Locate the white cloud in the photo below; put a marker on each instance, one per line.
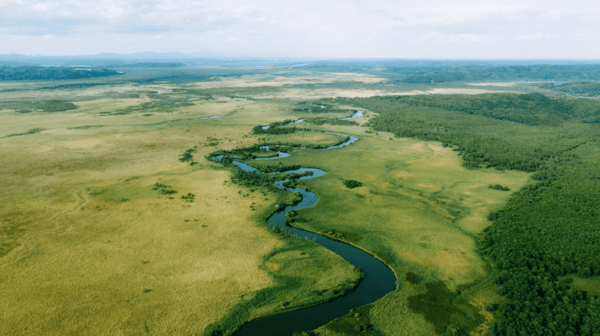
(535, 36)
(351, 28)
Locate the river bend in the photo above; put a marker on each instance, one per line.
(378, 278)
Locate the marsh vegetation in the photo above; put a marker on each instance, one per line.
(114, 220)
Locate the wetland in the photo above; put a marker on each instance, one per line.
(296, 200)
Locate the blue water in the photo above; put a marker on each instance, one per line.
(378, 278)
(213, 117)
(355, 115)
(345, 143)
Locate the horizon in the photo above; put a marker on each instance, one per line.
(152, 55)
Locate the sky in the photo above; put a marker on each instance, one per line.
(462, 29)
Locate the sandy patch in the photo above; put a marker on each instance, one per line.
(499, 84)
(299, 78)
(301, 94)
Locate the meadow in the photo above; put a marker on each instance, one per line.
(113, 221)
(418, 210)
(90, 245)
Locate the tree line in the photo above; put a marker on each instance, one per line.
(548, 232)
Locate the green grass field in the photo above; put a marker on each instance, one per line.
(418, 210)
(89, 245)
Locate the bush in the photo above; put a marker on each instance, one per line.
(498, 187)
(352, 184)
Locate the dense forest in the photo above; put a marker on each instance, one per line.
(549, 230)
(575, 88)
(13, 73)
(508, 73)
(444, 71)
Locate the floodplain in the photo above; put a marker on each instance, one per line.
(90, 245)
(109, 227)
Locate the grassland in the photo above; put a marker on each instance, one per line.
(90, 246)
(418, 210)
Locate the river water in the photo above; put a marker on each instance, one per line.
(378, 278)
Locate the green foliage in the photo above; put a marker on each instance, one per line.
(274, 130)
(245, 153)
(210, 141)
(357, 322)
(278, 168)
(317, 106)
(436, 306)
(187, 155)
(498, 187)
(413, 278)
(330, 121)
(575, 88)
(189, 197)
(27, 106)
(29, 132)
(164, 189)
(12, 73)
(529, 109)
(503, 73)
(86, 127)
(483, 138)
(547, 229)
(352, 184)
(304, 333)
(279, 293)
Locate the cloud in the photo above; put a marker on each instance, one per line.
(357, 28)
(535, 36)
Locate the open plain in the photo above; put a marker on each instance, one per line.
(107, 226)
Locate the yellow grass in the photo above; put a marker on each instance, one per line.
(299, 77)
(301, 94)
(89, 248)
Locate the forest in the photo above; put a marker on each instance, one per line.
(13, 73)
(547, 230)
(506, 73)
(575, 88)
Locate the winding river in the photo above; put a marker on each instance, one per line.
(378, 278)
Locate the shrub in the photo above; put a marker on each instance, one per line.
(352, 184)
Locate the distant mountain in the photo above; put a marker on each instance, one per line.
(115, 60)
(148, 59)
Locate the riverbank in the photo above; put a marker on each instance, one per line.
(412, 211)
(380, 279)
